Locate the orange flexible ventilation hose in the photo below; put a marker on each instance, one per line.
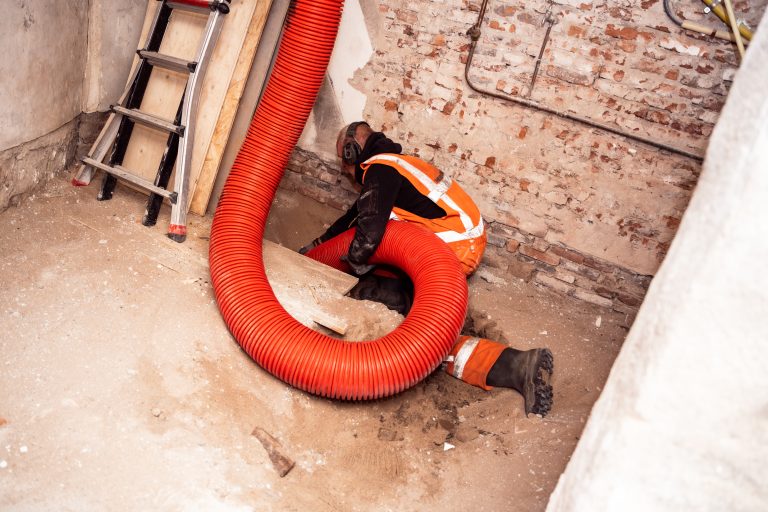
(306, 359)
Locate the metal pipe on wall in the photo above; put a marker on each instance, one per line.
(474, 33)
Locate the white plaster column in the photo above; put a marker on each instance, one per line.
(683, 421)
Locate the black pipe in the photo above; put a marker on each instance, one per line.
(550, 22)
(671, 14)
(474, 33)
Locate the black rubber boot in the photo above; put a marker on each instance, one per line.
(396, 294)
(529, 373)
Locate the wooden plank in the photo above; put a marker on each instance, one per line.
(268, 44)
(329, 321)
(204, 186)
(284, 264)
(310, 291)
(166, 87)
(315, 295)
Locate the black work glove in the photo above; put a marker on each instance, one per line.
(311, 245)
(358, 268)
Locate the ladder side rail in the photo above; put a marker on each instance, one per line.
(164, 171)
(157, 29)
(177, 229)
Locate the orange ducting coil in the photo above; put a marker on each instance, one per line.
(308, 360)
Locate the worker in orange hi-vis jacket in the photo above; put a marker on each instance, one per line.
(405, 188)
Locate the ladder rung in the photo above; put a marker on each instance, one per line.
(148, 119)
(122, 172)
(201, 7)
(168, 62)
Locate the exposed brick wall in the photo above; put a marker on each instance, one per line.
(26, 167)
(572, 208)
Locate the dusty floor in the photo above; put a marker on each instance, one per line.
(121, 388)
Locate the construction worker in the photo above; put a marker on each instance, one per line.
(401, 187)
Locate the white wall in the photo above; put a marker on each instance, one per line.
(114, 28)
(56, 64)
(42, 67)
(683, 421)
(339, 101)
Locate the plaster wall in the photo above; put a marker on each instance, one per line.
(114, 28)
(61, 58)
(682, 423)
(44, 53)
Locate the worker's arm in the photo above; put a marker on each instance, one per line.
(382, 184)
(343, 223)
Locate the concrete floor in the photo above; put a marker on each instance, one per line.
(121, 388)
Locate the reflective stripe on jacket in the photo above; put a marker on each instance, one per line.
(461, 228)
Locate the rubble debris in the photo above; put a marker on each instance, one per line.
(282, 463)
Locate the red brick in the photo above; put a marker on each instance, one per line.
(629, 300)
(654, 116)
(620, 13)
(627, 46)
(605, 292)
(672, 222)
(691, 128)
(512, 245)
(521, 269)
(406, 16)
(647, 37)
(523, 131)
(567, 75)
(672, 74)
(626, 33)
(551, 282)
(567, 253)
(527, 17)
(390, 105)
(575, 31)
(592, 298)
(598, 265)
(546, 257)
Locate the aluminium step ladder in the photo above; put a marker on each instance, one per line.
(115, 135)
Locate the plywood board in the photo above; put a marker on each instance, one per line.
(310, 291)
(165, 88)
(268, 44)
(285, 264)
(206, 179)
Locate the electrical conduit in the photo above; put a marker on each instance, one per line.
(292, 352)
